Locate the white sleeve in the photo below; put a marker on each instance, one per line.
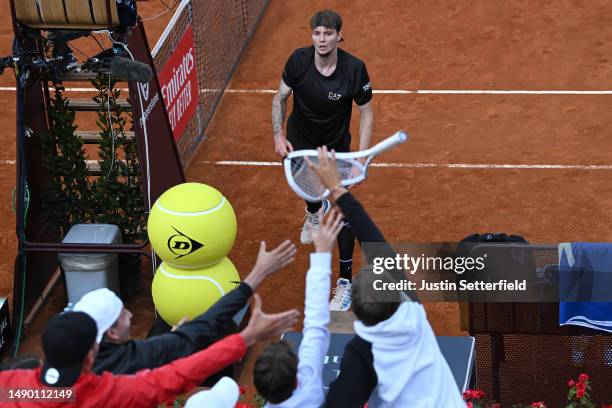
(315, 340)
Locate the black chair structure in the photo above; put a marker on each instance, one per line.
(522, 354)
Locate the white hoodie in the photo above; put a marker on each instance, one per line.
(411, 370)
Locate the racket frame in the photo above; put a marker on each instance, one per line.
(397, 138)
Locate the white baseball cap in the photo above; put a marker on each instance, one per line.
(224, 394)
(103, 306)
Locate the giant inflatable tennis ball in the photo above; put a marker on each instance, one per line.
(192, 226)
(178, 292)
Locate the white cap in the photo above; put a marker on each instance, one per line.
(103, 306)
(224, 394)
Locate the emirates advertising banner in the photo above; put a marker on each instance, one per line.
(179, 84)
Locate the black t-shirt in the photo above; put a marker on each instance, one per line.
(322, 105)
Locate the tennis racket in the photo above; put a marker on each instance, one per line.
(305, 181)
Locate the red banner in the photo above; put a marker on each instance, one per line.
(179, 84)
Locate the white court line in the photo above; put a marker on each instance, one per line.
(387, 91)
(438, 91)
(418, 165)
(432, 165)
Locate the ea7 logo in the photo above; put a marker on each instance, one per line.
(367, 87)
(144, 90)
(181, 245)
(334, 96)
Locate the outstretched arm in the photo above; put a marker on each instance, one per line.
(316, 310)
(209, 326)
(152, 387)
(279, 107)
(365, 229)
(204, 329)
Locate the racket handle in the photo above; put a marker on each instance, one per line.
(398, 137)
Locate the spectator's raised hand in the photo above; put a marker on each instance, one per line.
(262, 325)
(269, 262)
(324, 238)
(326, 168)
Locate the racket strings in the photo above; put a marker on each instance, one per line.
(308, 181)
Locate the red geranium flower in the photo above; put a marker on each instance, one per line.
(469, 404)
(571, 383)
(579, 394)
(580, 386)
(583, 377)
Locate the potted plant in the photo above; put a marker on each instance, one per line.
(67, 198)
(117, 190)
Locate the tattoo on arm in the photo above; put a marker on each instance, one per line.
(279, 106)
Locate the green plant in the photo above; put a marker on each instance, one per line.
(117, 193)
(67, 198)
(579, 394)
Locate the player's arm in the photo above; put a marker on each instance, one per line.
(279, 107)
(363, 99)
(366, 122)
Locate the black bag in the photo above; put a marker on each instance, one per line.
(464, 246)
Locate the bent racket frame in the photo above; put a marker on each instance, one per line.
(352, 170)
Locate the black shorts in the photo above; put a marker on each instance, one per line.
(299, 143)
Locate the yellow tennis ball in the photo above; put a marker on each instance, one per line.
(192, 225)
(178, 293)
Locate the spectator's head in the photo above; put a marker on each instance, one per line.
(370, 306)
(70, 347)
(326, 34)
(224, 394)
(112, 319)
(275, 372)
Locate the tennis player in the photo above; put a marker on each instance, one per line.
(325, 80)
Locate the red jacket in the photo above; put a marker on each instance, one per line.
(146, 388)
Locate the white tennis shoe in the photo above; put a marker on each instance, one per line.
(312, 222)
(341, 302)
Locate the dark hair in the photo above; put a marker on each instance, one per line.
(370, 306)
(275, 372)
(326, 18)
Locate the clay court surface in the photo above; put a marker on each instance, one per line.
(449, 180)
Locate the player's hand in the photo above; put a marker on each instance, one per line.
(326, 168)
(324, 238)
(282, 146)
(262, 325)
